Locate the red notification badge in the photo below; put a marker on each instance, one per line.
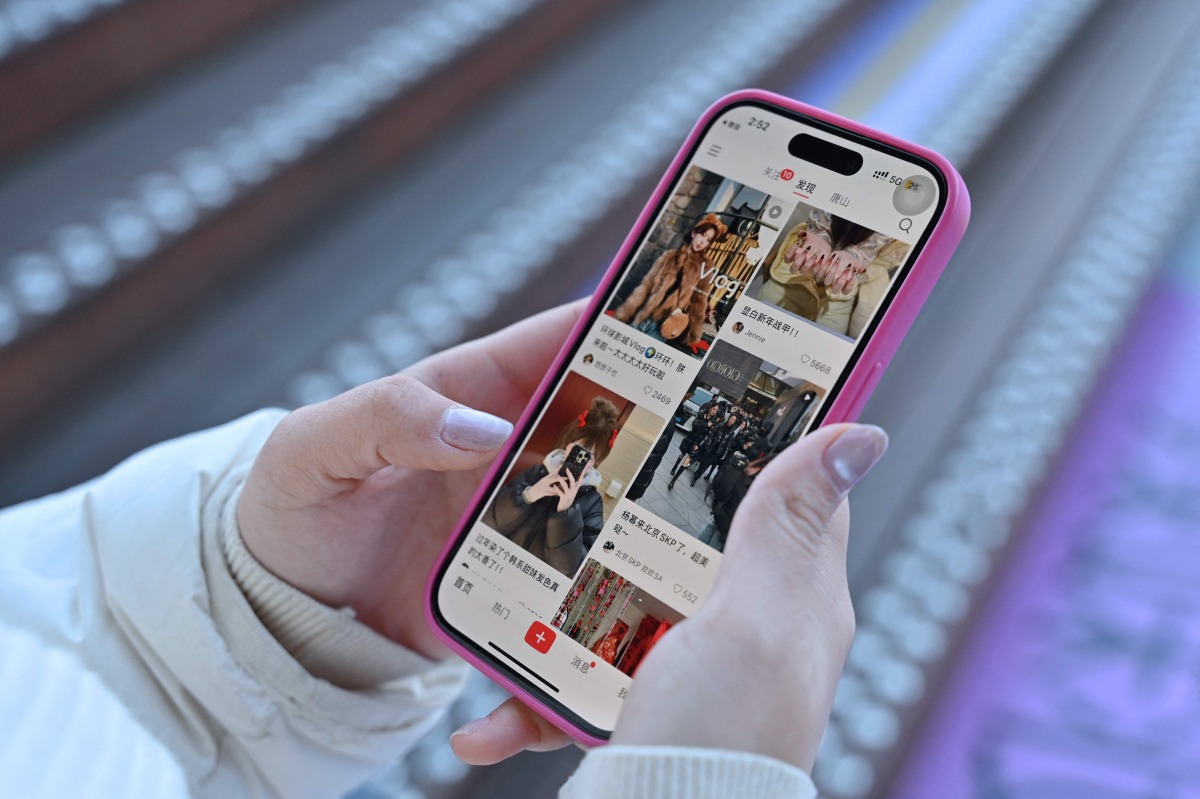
(540, 637)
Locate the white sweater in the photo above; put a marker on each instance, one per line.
(146, 653)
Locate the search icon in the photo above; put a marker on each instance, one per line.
(906, 224)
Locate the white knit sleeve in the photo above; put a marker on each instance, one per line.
(341, 701)
(127, 574)
(327, 642)
(668, 772)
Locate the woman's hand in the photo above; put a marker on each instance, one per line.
(794, 256)
(813, 255)
(352, 499)
(546, 487)
(780, 604)
(566, 489)
(845, 269)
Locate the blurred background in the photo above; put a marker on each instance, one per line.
(210, 207)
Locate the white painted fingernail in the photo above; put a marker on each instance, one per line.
(853, 454)
(467, 428)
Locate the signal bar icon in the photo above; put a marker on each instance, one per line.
(880, 174)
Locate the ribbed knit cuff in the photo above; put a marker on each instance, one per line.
(327, 642)
(676, 772)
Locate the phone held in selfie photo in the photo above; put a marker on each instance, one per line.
(576, 461)
(761, 293)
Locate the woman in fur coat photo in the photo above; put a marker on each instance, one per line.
(671, 302)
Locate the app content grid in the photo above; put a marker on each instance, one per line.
(718, 345)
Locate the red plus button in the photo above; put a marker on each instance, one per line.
(540, 637)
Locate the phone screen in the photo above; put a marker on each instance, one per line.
(748, 297)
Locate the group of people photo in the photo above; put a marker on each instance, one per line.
(721, 432)
(739, 413)
(716, 454)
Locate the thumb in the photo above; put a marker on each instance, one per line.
(787, 530)
(395, 421)
(780, 605)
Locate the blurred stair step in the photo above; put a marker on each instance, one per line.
(60, 59)
(131, 260)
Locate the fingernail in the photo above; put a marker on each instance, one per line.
(467, 428)
(852, 455)
(471, 727)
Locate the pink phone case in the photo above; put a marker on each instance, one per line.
(879, 350)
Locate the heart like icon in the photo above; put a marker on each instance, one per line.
(647, 389)
(805, 359)
(678, 588)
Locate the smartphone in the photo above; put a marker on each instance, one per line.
(760, 294)
(576, 461)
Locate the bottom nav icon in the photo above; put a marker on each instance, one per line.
(540, 637)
